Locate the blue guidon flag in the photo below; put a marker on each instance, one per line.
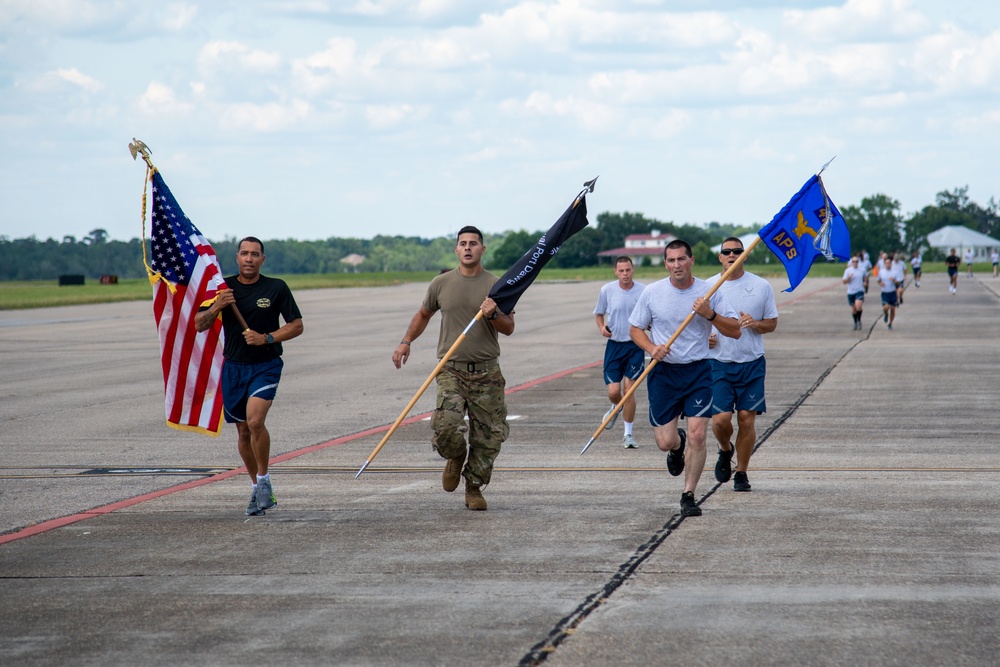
(511, 285)
(808, 227)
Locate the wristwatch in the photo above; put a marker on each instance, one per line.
(269, 339)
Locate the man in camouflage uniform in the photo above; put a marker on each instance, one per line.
(471, 382)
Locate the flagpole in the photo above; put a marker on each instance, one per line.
(138, 148)
(687, 320)
(420, 392)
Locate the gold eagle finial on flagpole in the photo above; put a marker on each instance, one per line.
(138, 148)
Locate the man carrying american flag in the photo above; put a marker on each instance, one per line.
(252, 368)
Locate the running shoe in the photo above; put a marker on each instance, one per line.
(607, 427)
(724, 465)
(740, 482)
(265, 495)
(252, 509)
(628, 442)
(688, 506)
(675, 457)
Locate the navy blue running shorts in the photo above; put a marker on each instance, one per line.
(241, 382)
(622, 359)
(738, 386)
(676, 389)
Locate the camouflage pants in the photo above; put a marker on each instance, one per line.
(481, 396)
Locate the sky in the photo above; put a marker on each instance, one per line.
(312, 119)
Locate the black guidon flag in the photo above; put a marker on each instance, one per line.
(509, 288)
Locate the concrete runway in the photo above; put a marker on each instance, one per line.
(870, 538)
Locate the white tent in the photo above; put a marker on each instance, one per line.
(962, 238)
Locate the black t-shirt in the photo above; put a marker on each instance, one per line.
(260, 304)
(953, 261)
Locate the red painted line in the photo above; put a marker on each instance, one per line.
(113, 507)
(554, 376)
(52, 524)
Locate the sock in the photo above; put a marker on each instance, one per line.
(261, 478)
(628, 428)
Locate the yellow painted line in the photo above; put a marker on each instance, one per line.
(395, 470)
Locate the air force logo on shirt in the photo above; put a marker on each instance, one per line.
(263, 303)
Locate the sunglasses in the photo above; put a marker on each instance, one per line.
(731, 251)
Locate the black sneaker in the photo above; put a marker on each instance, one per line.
(675, 457)
(688, 506)
(724, 466)
(740, 482)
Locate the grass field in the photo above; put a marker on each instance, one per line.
(47, 293)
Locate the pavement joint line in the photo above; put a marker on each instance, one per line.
(988, 288)
(541, 651)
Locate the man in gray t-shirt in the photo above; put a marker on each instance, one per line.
(738, 366)
(681, 382)
(623, 359)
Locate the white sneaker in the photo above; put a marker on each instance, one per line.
(628, 442)
(607, 427)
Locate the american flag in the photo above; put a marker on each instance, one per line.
(185, 273)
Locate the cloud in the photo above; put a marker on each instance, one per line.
(567, 24)
(98, 20)
(439, 53)
(383, 116)
(266, 117)
(179, 16)
(856, 20)
(226, 56)
(954, 59)
(319, 71)
(57, 79)
(588, 114)
(159, 99)
(59, 15)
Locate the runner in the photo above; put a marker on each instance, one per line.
(623, 359)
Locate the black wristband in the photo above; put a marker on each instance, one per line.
(714, 315)
(404, 342)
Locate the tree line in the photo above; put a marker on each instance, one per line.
(875, 224)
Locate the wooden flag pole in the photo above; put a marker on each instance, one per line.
(687, 320)
(138, 148)
(420, 392)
